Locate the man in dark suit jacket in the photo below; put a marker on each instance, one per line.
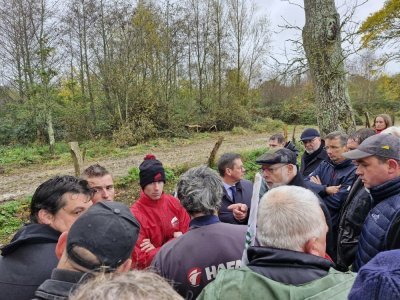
(236, 200)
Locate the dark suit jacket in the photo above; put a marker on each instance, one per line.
(244, 191)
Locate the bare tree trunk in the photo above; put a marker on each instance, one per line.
(322, 44)
(86, 65)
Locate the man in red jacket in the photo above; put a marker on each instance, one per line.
(161, 216)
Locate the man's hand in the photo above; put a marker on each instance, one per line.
(332, 190)
(146, 245)
(177, 234)
(239, 211)
(315, 179)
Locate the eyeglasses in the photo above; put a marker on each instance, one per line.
(305, 142)
(272, 169)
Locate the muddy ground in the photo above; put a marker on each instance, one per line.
(23, 181)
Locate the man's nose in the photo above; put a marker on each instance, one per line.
(358, 171)
(105, 193)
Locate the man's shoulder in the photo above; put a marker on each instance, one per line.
(246, 183)
(335, 285)
(227, 227)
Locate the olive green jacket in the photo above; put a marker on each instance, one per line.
(246, 284)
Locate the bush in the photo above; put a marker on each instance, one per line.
(12, 215)
(132, 134)
(268, 125)
(238, 130)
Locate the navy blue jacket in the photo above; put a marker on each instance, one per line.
(244, 192)
(27, 261)
(381, 229)
(194, 259)
(332, 174)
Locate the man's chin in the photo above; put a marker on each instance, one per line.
(309, 151)
(271, 185)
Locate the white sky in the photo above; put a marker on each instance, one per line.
(281, 10)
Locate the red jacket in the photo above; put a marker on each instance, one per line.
(158, 219)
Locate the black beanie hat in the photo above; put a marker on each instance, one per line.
(151, 170)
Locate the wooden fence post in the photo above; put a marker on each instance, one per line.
(77, 157)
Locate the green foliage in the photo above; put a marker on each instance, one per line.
(268, 125)
(238, 130)
(131, 178)
(249, 161)
(381, 26)
(12, 217)
(134, 133)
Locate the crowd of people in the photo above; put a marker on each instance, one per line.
(327, 228)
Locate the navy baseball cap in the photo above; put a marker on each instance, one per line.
(309, 134)
(382, 145)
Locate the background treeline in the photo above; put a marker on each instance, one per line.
(85, 69)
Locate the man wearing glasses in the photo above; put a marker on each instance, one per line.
(314, 152)
(279, 168)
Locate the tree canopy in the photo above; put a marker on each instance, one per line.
(382, 29)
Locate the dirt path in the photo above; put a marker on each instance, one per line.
(25, 180)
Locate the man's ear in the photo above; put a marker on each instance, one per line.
(61, 244)
(45, 217)
(310, 247)
(125, 267)
(393, 166)
(290, 168)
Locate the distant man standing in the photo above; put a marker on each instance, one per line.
(332, 179)
(314, 152)
(161, 216)
(378, 166)
(213, 245)
(100, 181)
(237, 191)
(276, 141)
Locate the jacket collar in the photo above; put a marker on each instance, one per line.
(264, 256)
(386, 190)
(144, 199)
(29, 234)
(203, 221)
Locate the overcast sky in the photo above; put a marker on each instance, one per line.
(280, 10)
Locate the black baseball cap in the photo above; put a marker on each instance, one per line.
(108, 230)
(277, 156)
(309, 134)
(382, 145)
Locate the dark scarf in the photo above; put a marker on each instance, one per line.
(309, 157)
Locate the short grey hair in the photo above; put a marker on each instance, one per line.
(288, 217)
(200, 190)
(338, 134)
(139, 285)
